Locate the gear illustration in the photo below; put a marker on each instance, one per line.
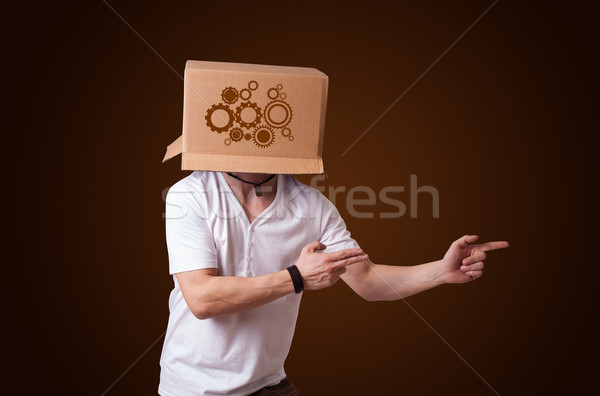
(282, 96)
(291, 138)
(230, 95)
(247, 136)
(253, 85)
(273, 93)
(219, 118)
(245, 94)
(236, 134)
(278, 114)
(227, 141)
(279, 87)
(263, 136)
(285, 132)
(248, 118)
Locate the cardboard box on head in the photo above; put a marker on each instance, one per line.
(252, 118)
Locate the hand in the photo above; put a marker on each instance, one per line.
(463, 262)
(321, 270)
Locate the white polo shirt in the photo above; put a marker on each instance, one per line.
(206, 227)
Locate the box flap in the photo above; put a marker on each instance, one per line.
(173, 149)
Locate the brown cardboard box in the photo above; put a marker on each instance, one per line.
(252, 118)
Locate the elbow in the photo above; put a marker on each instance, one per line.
(370, 297)
(368, 294)
(203, 311)
(372, 294)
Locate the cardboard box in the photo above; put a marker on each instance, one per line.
(252, 118)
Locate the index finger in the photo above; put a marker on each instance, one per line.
(343, 254)
(491, 245)
(349, 261)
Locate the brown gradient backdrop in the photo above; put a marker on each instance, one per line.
(501, 126)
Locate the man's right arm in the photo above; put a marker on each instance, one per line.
(209, 295)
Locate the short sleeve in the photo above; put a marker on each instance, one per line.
(190, 242)
(334, 234)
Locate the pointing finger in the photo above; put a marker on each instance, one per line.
(344, 254)
(351, 260)
(492, 245)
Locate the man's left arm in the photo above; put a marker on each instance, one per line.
(463, 262)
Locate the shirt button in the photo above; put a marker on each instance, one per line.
(249, 258)
(250, 243)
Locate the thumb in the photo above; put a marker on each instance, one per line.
(470, 238)
(314, 246)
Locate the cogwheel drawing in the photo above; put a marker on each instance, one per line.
(243, 119)
(224, 117)
(245, 94)
(236, 134)
(248, 114)
(263, 136)
(278, 114)
(230, 95)
(273, 93)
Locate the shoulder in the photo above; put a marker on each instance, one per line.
(302, 195)
(195, 181)
(294, 188)
(191, 191)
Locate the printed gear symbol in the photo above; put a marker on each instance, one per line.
(263, 136)
(273, 93)
(236, 134)
(280, 123)
(230, 95)
(211, 111)
(252, 84)
(238, 114)
(245, 94)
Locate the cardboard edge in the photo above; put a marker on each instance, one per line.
(251, 164)
(173, 149)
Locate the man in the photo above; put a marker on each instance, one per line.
(242, 247)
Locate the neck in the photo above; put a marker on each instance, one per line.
(245, 191)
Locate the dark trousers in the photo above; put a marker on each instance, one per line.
(284, 388)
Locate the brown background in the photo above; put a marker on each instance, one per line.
(502, 126)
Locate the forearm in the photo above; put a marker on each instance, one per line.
(220, 295)
(387, 282)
